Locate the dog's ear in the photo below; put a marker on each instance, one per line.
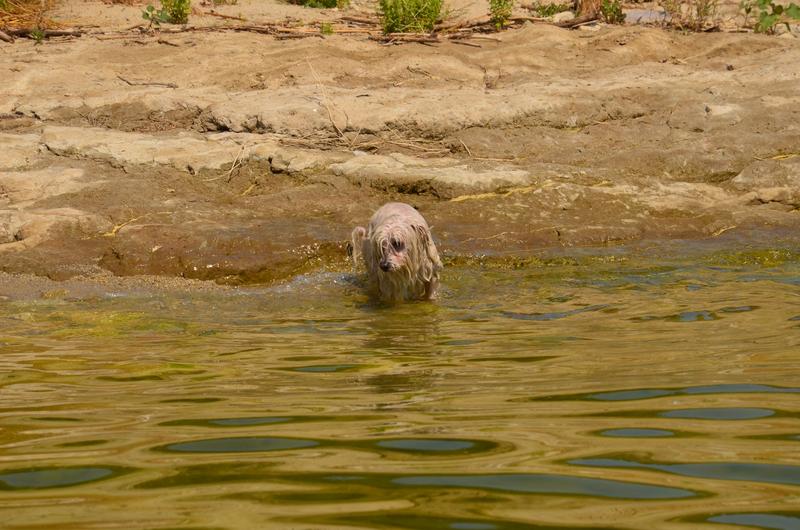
(428, 247)
(357, 244)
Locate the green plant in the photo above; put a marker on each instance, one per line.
(326, 28)
(548, 10)
(611, 10)
(177, 10)
(500, 12)
(321, 4)
(172, 12)
(37, 35)
(770, 14)
(694, 15)
(150, 14)
(414, 16)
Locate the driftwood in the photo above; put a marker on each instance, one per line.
(28, 32)
(456, 32)
(397, 38)
(578, 21)
(360, 20)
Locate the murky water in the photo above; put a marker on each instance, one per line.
(610, 394)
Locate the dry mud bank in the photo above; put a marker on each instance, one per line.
(237, 157)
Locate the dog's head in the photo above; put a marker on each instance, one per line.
(396, 246)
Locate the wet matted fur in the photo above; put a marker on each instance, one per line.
(398, 251)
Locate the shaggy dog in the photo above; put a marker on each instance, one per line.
(398, 251)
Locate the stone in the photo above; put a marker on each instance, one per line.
(18, 150)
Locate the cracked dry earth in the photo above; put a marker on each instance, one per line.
(251, 159)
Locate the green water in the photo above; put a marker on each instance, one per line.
(604, 393)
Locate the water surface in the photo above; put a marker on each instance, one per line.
(603, 393)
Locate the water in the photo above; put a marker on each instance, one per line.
(604, 394)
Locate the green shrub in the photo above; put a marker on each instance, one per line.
(412, 16)
(611, 10)
(548, 10)
(500, 11)
(326, 28)
(177, 10)
(770, 14)
(172, 12)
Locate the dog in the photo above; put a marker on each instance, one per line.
(398, 251)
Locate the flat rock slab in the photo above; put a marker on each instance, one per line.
(445, 177)
(24, 222)
(18, 150)
(184, 151)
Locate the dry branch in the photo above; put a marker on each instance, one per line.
(5, 37)
(28, 32)
(578, 21)
(220, 15)
(360, 20)
(146, 83)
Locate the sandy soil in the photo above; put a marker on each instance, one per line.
(241, 158)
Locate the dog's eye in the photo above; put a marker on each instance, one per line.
(398, 245)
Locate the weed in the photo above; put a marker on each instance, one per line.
(611, 10)
(37, 35)
(500, 12)
(769, 14)
(416, 16)
(320, 4)
(177, 10)
(172, 12)
(694, 15)
(548, 10)
(225, 2)
(326, 28)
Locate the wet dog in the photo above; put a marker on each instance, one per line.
(398, 251)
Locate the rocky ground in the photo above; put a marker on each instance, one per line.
(241, 158)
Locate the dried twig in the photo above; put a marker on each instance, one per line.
(326, 102)
(5, 37)
(464, 43)
(220, 15)
(465, 147)
(145, 83)
(397, 38)
(360, 20)
(249, 189)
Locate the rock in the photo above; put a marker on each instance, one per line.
(21, 189)
(769, 174)
(17, 150)
(294, 161)
(445, 177)
(184, 151)
(563, 17)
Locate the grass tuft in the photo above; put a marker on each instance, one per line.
(409, 16)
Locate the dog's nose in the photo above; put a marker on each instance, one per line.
(385, 266)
